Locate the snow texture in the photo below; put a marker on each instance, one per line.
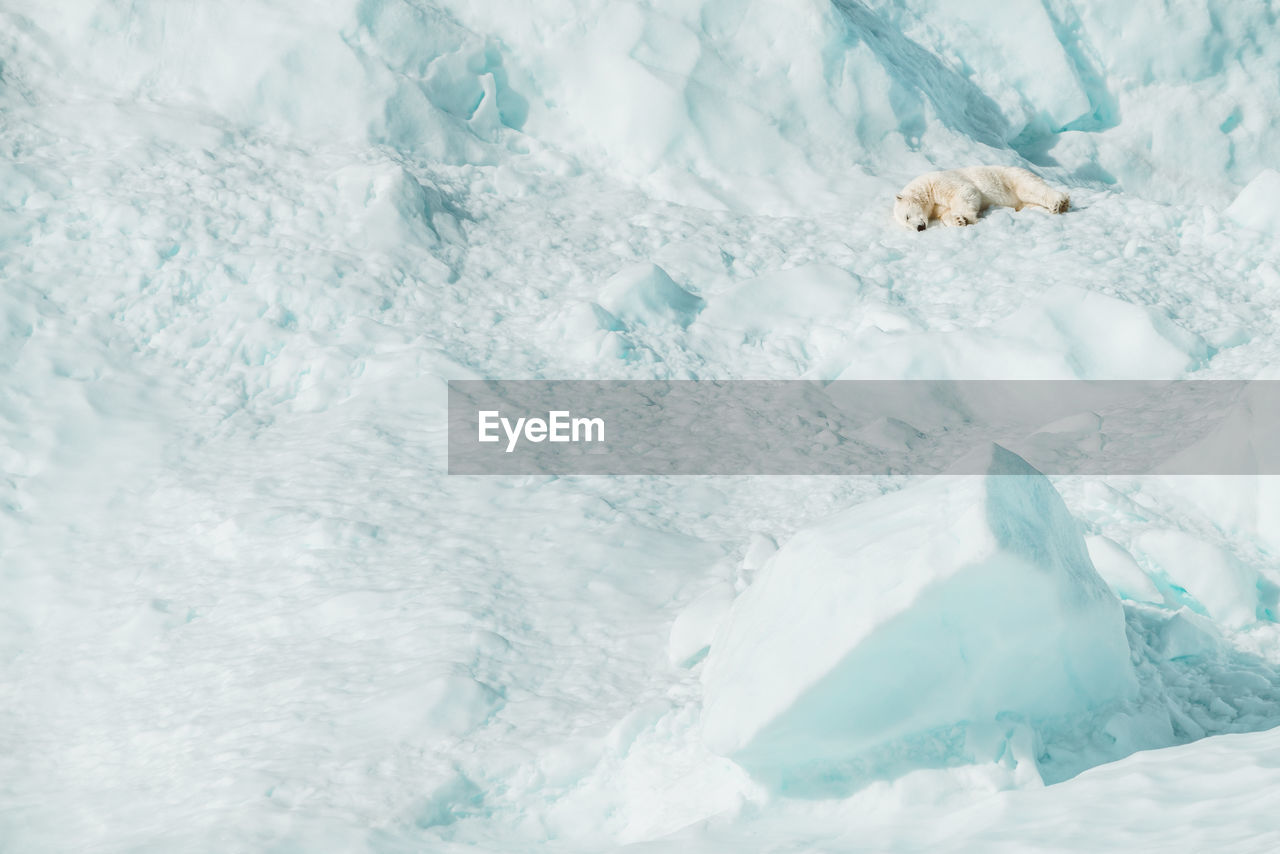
(243, 246)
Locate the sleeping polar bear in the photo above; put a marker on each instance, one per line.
(957, 196)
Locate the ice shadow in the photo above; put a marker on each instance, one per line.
(1194, 683)
(958, 102)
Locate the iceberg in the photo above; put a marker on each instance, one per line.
(883, 634)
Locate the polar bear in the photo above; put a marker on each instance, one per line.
(957, 196)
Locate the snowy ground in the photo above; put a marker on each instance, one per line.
(244, 245)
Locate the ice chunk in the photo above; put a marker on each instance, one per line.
(387, 207)
(590, 333)
(1258, 205)
(1185, 634)
(876, 633)
(694, 628)
(762, 548)
(645, 295)
(1230, 591)
(1121, 571)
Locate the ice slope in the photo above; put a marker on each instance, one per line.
(243, 245)
(834, 98)
(1165, 99)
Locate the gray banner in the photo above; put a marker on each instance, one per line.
(861, 427)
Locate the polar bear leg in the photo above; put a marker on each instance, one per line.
(1031, 190)
(964, 208)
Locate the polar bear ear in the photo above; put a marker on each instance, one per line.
(898, 197)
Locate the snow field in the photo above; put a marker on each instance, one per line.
(242, 247)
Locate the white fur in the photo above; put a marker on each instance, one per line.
(957, 196)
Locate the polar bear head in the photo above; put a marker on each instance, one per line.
(911, 211)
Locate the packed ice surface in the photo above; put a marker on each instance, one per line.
(243, 246)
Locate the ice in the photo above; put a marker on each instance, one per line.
(387, 207)
(1026, 68)
(1256, 207)
(786, 300)
(1210, 579)
(696, 625)
(1067, 332)
(806, 309)
(862, 647)
(645, 295)
(1195, 797)
(1121, 572)
(245, 245)
(762, 547)
(1088, 95)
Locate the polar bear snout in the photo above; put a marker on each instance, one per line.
(911, 213)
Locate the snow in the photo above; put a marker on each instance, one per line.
(1088, 336)
(244, 246)
(645, 295)
(1202, 796)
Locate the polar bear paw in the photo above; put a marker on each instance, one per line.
(959, 220)
(1059, 203)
